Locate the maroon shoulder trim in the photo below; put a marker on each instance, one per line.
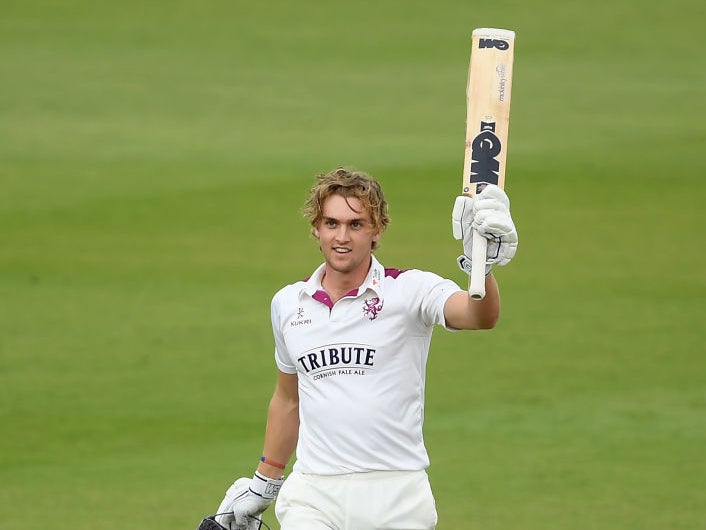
(394, 273)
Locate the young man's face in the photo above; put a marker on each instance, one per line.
(346, 234)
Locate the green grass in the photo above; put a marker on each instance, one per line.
(153, 158)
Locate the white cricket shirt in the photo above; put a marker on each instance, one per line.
(361, 365)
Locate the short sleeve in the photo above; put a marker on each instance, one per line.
(282, 357)
(435, 292)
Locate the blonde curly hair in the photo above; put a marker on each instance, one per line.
(347, 183)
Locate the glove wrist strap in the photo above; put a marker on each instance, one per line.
(265, 487)
(464, 263)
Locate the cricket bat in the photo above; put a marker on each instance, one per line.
(487, 119)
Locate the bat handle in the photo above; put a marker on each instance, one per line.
(476, 289)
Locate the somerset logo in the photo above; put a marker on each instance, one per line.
(371, 307)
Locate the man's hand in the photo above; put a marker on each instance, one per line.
(245, 500)
(489, 213)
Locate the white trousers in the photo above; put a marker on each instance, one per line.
(378, 500)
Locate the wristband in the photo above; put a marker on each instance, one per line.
(272, 462)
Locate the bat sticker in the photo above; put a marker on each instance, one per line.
(485, 148)
(493, 43)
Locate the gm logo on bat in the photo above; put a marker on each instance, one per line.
(493, 43)
(485, 148)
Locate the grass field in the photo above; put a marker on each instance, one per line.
(153, 159)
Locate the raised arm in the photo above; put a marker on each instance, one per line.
(462, 312)
(489, 213)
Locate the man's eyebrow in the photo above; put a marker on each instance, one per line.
(355, 219)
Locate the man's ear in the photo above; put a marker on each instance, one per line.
(315, 232)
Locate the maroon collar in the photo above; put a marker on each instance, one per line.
(323, 297)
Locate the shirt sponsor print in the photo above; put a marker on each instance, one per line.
(337, 360)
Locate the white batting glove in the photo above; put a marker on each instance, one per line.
(245, 501)
(489, 213)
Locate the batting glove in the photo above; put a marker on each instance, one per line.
(245, 501)
(489, 213)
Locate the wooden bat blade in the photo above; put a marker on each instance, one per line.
(488, 95)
